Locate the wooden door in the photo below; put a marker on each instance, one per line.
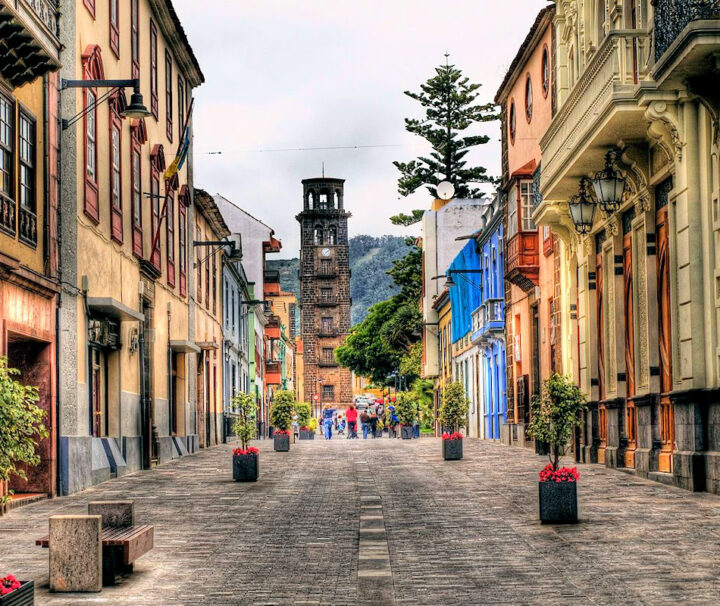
(667, 412)
(96, 391)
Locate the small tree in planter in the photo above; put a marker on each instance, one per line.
(304, 416)
(21, 426)
(281, 414)
(406, 411)
(555, 414)
(452, 415)
(246, 466)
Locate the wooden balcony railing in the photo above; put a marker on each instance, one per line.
(7, 215)
(27, 226)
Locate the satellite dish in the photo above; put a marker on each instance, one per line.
(445, 190)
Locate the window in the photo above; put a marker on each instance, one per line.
(512, 122)
(326, 267)
(318, 235)
(182, 246)
(26, 181)
(214, 284)
(115, 27)
(7, 190)
(327, 355)
(198, 266)
(331, 235)
(138, 136)
(90, 5)
(512, 210)
(545, 72)
(168, 95)
(327, 324)
(328, 392)
(116, 219)
(155, 217)
(326, 293)
(91, 196)
(181, 107)
(526, 205)
(153, 70)
(528, 98)
(136, 186)
(323, 202)
(135, 38)
(170, 236)
(207, 282)
(311, 200)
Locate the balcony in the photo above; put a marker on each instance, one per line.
(687, 35)
(27, 226)
(328, 331)
(327, 301)
(600, 105)
(7, 215)
(273, 372)
(326, 362)
(489, 321)
(29, 44)
(273, 327)
(327, 273)
(523, 260)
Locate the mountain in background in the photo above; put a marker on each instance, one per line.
(370, 258)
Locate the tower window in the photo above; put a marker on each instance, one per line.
(310, 200)
(323, 201)
(337, 199)
(318, 235)
(331, 236)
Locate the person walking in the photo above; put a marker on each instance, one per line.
(373, 424)
(328, 424)
(351, 415)
(365, 423)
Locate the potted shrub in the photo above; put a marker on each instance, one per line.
(379, 428)
(16, 593)
(452, 415)
(304, 416)
(21, 427)
(406, 411)
(281, 414)
(246, 466)
(555, 414)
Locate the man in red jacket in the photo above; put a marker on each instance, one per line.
(352, 415)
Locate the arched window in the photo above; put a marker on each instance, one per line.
(318, 235)
(323, 201)
(310, 200)
(92, 70)
(545, 72)
(337, 199)
(528, 98)
(331, 235)
(512, 122)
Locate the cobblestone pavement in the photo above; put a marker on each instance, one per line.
(455, 532)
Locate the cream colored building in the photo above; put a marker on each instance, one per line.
(127, 387)
(639, 79)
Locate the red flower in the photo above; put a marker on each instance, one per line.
(563, 474)
(251, 450)
(281, 432)
(452, 436)
(8, 584)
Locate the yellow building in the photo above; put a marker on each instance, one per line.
(443, 309)
(284, 305)
(128, 382)
(29, 277)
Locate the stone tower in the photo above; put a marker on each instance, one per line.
(324, 291)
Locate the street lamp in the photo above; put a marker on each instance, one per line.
(582, 207)
(136, 108)
(449, 282)
(609, 183)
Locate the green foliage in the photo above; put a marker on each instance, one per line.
(449, 103)
(555, 414)
(281, 411)
(406, 409)
(304, 413)
(312, 424)
(410, 364)
(422, 390)
(407, 220)
(245, 424)
(454, 408)
(406, 272)
(21, 423)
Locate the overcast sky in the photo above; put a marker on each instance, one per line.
(323, 73)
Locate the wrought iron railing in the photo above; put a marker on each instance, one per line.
(671, 17)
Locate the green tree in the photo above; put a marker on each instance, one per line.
(449, 101)
(303, 412)
(454, 408)
(555, 413)
(406, 408)
(422, 390)
(281, 411)
(245, 425)
(21, 425)
(406, 272)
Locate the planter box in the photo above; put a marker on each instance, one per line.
(307, 434)
(452, 450)
(281, 442)
(378, 433)
(406, 432)
(246, 468)
(558, 502)
(25, 596)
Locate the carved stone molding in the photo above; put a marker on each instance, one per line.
(613, 225)
(665, 127)
(643, 202)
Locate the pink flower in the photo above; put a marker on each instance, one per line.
(251, 450)
(452, 436)
(563, 474)
(8, 584)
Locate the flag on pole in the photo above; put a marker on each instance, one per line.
(182, 150)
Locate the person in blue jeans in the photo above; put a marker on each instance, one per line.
(365, 424)
(328, 428)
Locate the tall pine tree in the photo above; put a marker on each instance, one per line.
(449, 100)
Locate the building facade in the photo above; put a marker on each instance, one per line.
(29, 199)
(325, 290)
(637, 106)
(125, 320)
(443, 310)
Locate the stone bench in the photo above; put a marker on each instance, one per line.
(86, 552)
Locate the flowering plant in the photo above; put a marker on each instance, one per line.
(250, 450)
(564, 474)
(281, 432)
(8, 584)
(452, 436)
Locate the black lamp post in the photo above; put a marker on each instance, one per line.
(609, 183)
(136, 108)
(582, 207)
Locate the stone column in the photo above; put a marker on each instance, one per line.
(75, 553)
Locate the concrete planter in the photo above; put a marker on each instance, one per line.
(281, 442)
(558, 502)
(406, 432)
(307, 434)
(25, 596)
(452, 450)
(246, 468)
